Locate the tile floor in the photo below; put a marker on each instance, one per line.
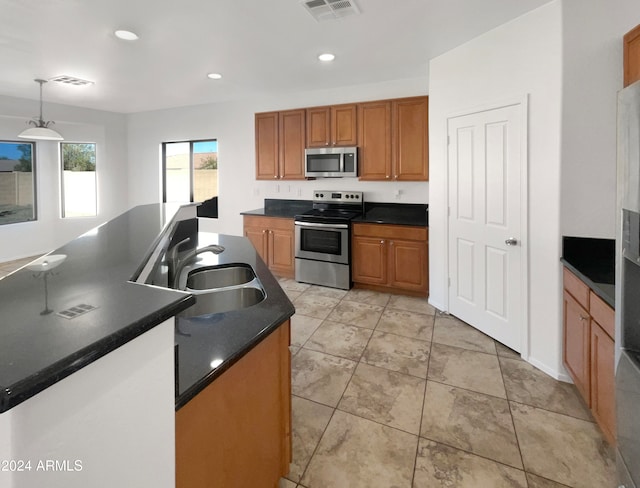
(387, 392)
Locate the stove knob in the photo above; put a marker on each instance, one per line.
(357, 197)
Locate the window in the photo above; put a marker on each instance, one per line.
(17, 182)
(190, 174)
(79, 196)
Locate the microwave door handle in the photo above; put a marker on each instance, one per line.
(341, 163)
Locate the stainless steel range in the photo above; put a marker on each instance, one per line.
(323, 238)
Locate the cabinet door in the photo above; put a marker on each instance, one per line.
(343, 125)
(369, 260)
(577, 338)
(318, 126)
(281, 252)
(632, 56)
(410, 139)
(374, 140)
(291, 144)
(258, 238)
(408, 265)
(603, 389)
(267, 156)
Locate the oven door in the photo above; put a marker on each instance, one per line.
(322, 241)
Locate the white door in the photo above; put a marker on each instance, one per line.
(486, 222)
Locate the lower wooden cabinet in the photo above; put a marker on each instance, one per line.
(237, 431)
(589, 350)
(274, 239)
(390, 257)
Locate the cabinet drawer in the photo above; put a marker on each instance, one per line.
(268, 222)
(578, 289)
(391, 231)
(602, 313)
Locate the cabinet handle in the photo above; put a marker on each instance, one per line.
(583, 318)
(264, 231)
(381, 242)
(326, 143)
(391, 243)
(275, 176)
(387, 176)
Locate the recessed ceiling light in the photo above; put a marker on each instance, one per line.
(326, 57)
(214, 76)
(126, 35)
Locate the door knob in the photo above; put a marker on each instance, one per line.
(512, 241)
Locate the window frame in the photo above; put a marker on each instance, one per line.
(62, 188)
(34, 180)
(191, 168)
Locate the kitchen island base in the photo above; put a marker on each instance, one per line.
(237, 431)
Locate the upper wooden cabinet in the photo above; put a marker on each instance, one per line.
(410, 139)
(280, 141)
(632, 56)
(393, 139)
(374, 140)
(332, 126)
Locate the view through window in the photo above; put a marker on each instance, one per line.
(17, 182)
(79, 194)
(190, 172)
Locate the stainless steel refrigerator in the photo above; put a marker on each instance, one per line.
(628, 289)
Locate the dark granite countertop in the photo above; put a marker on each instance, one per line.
(281, 208)
(39, 349)
(378, 213)
(395, 213)
(209, 345)
(593, 261)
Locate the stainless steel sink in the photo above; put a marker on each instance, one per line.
(209, 278)
(224, 300)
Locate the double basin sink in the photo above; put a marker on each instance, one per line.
(222, 288)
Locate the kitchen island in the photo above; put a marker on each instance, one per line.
(87, 372)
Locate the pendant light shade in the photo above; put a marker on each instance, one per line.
(40, 130)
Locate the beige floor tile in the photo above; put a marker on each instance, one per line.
(292, 295)
(358, 314)
(527, 384)
(347, 341)
(412, 304)
(368, 296)
(397, 353)
(358, 453)
(310, 419)
(285, 483)
(472, 370)
(440, 466)
(288, 284)
(315, 305)
(302, 327)
(538, 482)
(454, 332)
(384, 396)
(320, 377)
(405, 323)
(506, 352)
(562, 448)
(471, 421)
(325, 291)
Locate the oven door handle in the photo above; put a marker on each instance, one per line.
(323, 226)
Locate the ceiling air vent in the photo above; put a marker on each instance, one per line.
(322, 10)
(71, 80)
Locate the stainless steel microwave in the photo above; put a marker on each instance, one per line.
(331, 162)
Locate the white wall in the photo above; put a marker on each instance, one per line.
(110, 424)
(107, 130)
(518, 59)
(232, 124)
(592, 76)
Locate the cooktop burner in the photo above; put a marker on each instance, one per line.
(332, 206)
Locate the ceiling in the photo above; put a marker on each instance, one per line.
(261, 47)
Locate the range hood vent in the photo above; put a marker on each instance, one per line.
(322, 10)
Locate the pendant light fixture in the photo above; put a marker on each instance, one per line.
(40, 130)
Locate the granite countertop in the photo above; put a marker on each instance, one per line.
(593, 261)
(39, 348)
(209, 345)
(378, 213)
(395, 213)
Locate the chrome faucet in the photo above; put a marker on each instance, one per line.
(177, 265)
